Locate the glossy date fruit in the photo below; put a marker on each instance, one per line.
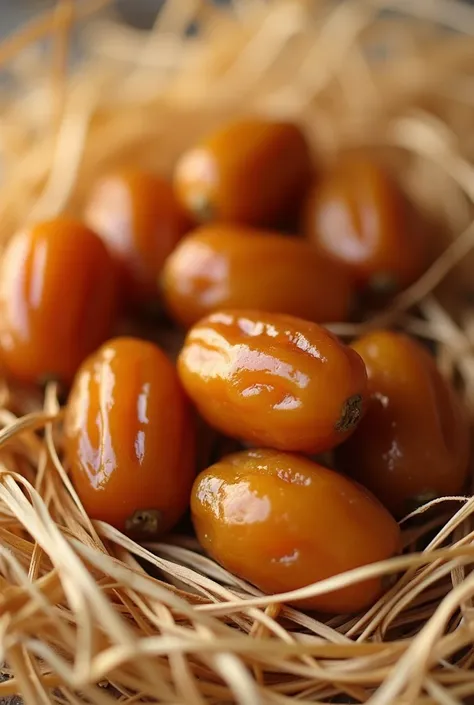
(230, 266)
(137, 215)
(413, 443)
(58, 299)
(273, 380)
(252, 172)
(358, 215)
(130, 438)
(283, 522)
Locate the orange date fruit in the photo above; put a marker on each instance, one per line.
(130, 438)
(251, 172)
(358, 215)
(283, 522)
(273, 380)
(138, 217)
(231, 266)
(58, 299)
(413, 443)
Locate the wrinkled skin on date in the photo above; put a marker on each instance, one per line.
(273, 380)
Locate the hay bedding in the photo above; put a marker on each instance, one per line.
(86, 615)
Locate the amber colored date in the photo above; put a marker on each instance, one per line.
(358, 215)
(58, 299)
(138, 217)
(130, 438)
(274, 380)
(253, 172)
(413, 443)
(282, 522)
(229, 266)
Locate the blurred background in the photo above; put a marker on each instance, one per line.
(139, 13)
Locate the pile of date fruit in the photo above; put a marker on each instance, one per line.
(248, 251)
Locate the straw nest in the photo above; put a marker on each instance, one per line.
(87, 615)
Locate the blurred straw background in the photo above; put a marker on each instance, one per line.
(138, 13)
